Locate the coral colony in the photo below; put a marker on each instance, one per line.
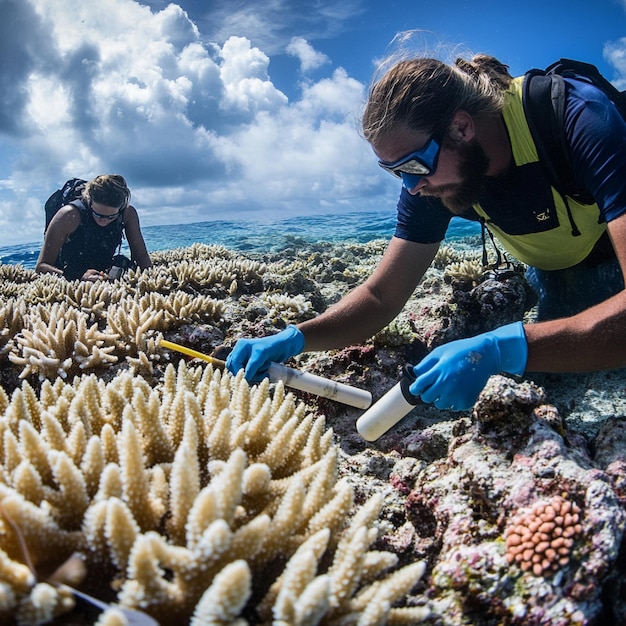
(541, 540)
(172, 491)
(180, 498)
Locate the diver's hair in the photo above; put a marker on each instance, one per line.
(108, 189)
(424, 94)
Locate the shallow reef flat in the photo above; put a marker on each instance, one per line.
(198, 499)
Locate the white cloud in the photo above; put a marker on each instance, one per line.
(245, 78)
(615, 54)
(309, 150)
(310, 59)
(270, 24)
(197, 128)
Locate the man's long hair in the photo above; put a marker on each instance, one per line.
(424, 94)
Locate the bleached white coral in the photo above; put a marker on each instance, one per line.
(348, 592)
(104, 469)
(288, 307)
(466, 270)
(11, 321)
(59, 341)
(78, 326)
(224, 600)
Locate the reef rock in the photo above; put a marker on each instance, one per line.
(505, 466)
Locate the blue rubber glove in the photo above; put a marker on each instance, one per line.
(257, 354)
(453, 375)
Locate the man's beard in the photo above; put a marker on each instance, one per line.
(473, 165)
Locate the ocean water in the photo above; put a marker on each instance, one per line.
(259, 235)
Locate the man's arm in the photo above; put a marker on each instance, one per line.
(452, 375)
(357, 316)
(371, 306)
(592, 340)
(595, 339)
(135, 239)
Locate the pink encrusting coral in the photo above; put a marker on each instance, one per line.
(541, 539)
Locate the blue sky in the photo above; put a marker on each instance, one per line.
(218, 109)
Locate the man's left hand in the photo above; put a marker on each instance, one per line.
(453, 375)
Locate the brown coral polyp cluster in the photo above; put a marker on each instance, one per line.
(541, 540)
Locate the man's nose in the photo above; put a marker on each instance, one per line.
(416, 188)
(412, 182)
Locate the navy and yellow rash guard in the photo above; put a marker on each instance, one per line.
(520, 208)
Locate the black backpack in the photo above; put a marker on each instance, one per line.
(543, 97)
(71, 190)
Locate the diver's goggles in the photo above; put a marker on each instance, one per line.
(413, 166)
(103, 216)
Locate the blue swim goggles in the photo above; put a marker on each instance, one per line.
(413, 166)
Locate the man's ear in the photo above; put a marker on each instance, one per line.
(462, 127)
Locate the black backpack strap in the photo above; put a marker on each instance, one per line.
(590, 73)
(543, 98)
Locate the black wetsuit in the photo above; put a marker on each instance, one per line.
(90, 246)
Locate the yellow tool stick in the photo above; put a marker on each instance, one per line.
(304, 381)
(193, 353)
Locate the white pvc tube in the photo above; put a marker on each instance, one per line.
(387, 412)
(305, 381)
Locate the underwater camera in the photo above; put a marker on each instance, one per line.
(121, 263)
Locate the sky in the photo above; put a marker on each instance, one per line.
(226, 109)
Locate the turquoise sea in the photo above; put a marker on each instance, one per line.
(259, 235)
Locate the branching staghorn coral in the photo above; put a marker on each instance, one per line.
(288, 307)
(133, 325)
(470, 271)
(58, 341)
(115, 323)
(12, 314)
(180, 307)
(446, 255)
(347, 592)
(94, 298)
(15, 273)
(79, 326)
(43, 288)
(196, 251)
(156, 279)
(220, 271)
(136, 322)
(185, 498)
(217, 273)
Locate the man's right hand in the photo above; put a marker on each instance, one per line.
(257, 354)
